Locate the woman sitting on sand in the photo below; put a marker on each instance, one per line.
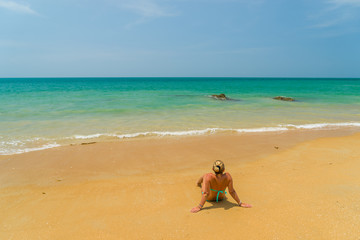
(213, 187)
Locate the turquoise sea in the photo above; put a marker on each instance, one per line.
(38, 113)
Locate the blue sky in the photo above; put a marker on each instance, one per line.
(179, 38)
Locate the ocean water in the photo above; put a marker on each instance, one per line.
(38, 113)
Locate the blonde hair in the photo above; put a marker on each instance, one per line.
(218, 167)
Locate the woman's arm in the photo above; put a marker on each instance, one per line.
(234, 194)
(205, 189)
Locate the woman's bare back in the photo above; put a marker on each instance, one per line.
(210, 182)
(213, 186)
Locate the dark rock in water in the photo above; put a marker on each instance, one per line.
(289, 99)
(220, 97)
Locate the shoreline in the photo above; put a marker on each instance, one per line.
(306, 188)
(48, 143)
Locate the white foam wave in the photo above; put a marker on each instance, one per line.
(131, 135)
(24, 150)
(322, 125)
(10, 147)
(285, 127)
(90, 136)
(264, 129)
(169, 133)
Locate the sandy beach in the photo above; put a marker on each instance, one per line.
(112, 112)
(302, 185)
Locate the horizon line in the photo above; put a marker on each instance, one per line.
(183, 77)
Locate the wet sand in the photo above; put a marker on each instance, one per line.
(302, 184)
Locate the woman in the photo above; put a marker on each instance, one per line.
(213, 187)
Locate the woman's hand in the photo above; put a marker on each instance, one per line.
(245, 205)
(195, 209)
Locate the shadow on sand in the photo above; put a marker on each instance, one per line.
(224, 204)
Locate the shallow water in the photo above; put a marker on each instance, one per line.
(47, 112)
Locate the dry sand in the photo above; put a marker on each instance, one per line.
(302, 185)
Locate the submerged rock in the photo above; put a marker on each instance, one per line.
(220, 96)
(289, 99)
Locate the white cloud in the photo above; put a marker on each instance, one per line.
(11, 43)
(148, 8)
(335, 13)
(345, 2)
(16, 7)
